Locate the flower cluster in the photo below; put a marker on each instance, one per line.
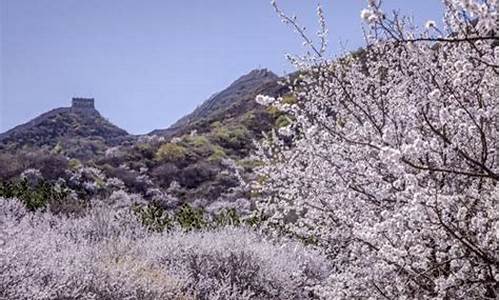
(264, 100)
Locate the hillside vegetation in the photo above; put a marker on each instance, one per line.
(369, 176)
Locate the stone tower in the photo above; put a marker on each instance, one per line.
(82, 105)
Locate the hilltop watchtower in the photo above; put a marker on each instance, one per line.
(82, 104)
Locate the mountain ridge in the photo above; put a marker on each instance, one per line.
(243, 89)
(230, 106)
(194, 154)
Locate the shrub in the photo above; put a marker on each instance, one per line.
(190, 218)
(154, 217)
(282, 121)
(165, 173)
(194, 175)
(34, 196)
(171, 152)
(74, 164)
(289, 99)
(249, 120)
(186, 218)
(235, 137)
(145, 150)
(200, 145)
(197, 141)
(217, 155)
(10, 166)
(52, 166)
(127, 176)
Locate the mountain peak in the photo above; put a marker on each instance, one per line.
(256, 75)
(80, 120)
(262, 73)
(237, 98)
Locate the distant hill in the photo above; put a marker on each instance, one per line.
(195, 152)
(65, 125)
(229, 104)
(81, 132)
(82, 121)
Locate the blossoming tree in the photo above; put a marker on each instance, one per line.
(391, 162)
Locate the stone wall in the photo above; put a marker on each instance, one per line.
(82, 104)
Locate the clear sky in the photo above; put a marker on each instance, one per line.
(147, 63)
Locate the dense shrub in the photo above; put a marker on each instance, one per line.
(145, 150)
(235, 137)
(217, 155)
(34, 195)
(171, 152)
(185, 218)
(165, 173)
(10, 166)
(194, 175)
(52, 166)
(129, 177)
(84, 148)
(200, 145)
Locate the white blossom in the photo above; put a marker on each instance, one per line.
(264, 100)
(430, 24)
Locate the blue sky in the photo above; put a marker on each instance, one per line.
(147, 63)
